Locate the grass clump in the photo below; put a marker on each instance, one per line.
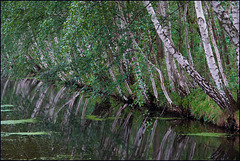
(202, 106)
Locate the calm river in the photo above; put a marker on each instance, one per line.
(45, 122)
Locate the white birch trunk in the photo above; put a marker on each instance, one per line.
(235, 17)
(174, 77)
(186, 40)
(168, 59)
(229, 27)
(226, 22)
(169, 70)
(122, 26)
(125, 63)
(162, 83)
(125, 81)
(217, 52)
(160, 75)
(79, 104)
(235, 14)
(142, 85)
(220, 99)
(153, 82)
(207, 46)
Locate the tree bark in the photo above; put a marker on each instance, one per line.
(207, 46)
(229, 27)
(141, 83)
(224, 46)
(217, 37)
(179, 48)
(174, 76)
(226, 22)
(126, 83)
(186, 39)
(235, 14)
(153, 82)
(222, 101)
(176, 108)
(216, 50)
(168, 61)
(159, 50)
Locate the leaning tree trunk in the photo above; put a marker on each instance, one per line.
(175, 77)
(228, 26)
(222, 100)
(166, 53)
(207, 47)
(235, 17)
(141, 83)
(160, 74)
(216, 50)
(175, 107)
(153, 82)
(114, 79)
(235, 14)
(186, 39)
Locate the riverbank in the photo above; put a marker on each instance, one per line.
(196, 106)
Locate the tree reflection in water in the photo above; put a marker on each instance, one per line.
(130, 135)
(226, 151)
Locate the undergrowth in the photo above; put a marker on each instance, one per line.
(201, 106)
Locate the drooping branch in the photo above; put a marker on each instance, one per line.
(142, 85)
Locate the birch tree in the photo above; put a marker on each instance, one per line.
(228, 25)
(207, 47)
(168, 59)
(115, 80)
(235, 14)
(222, 100)
(174, 75)
(216, 49)
(186, 38)
(141, 83)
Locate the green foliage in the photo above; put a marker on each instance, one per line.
(24, 24)
(139, 97)
(71, 43)
(201, 106)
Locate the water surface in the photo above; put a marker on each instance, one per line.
(74, 127)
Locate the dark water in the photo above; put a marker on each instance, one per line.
(76, 129)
